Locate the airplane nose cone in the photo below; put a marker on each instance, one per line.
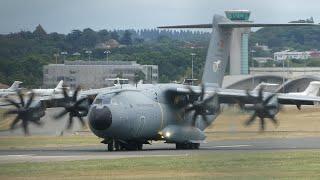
(100, 119)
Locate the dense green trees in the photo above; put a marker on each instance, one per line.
(23, 54)
(279, 38)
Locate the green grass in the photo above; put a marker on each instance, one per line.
(18, 142)
(221, 165)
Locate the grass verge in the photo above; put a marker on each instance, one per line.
(8, 142)
(219, 165)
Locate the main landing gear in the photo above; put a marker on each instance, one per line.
(115, 145)
(187, 145)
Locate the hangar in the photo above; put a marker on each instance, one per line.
(297, 84)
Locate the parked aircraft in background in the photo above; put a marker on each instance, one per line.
(311, 90)
(11, 90)
(264, 85)
(49, 92)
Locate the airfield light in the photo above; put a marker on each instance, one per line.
(192, 57)
(107, 53)
(168, 134)
(89, 53)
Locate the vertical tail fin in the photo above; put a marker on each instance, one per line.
(312, 89)
(219, 47)
(15, 85)
(59, 86)
(218, 51)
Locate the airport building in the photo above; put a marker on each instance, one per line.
(239, 43)
(95, 74)
(284, 55)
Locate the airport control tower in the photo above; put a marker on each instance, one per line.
(239, 43)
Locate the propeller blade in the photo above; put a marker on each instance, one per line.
(61, 114)
(270, 107)
(37, 122)
(194, 118)
(79, 102)
(70, 122)
(252, 118)
(30, 100)
(21, 98)
(81, 108)
(262, 124)
(13, 111)
(249, 108)
(14, 122)
(209, 99)
(25, 127)
(204, 117)
(260, 97)
(12, 102)
(274, 120)
(202, 92)
(65, 94)
(190, 108)
(268, 99)
(75, 94)
(82, 121)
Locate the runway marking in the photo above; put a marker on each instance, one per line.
(18, 155)
(233, 146)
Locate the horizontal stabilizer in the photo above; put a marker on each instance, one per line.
(187, 26)
(250, 24)
(237, 25)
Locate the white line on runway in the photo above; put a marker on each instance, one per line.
(233, 146)
(19, 155)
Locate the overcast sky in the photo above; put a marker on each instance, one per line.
(65, 15)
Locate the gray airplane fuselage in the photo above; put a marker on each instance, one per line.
(139, 113)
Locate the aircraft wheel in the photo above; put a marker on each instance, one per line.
(187, 145)
(111, 145)
(117, 146)
(195, 145)
(179, 146)
(140, 146)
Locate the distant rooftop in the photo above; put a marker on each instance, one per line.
(82, 62)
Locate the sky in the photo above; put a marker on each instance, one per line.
(63, 16)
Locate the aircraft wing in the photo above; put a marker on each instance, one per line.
(55, 99)
(234, 96)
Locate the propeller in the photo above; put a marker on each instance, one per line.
(201, 105)
(262, 109)
(74, 107)
(24, 112)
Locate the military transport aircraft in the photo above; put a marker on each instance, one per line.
(128, 116)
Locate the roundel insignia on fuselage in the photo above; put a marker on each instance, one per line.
(216, 65)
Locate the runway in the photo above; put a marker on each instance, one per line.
(158, 149)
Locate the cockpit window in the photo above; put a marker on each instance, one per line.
(103, 100)
(106, 100)
(98, 101)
